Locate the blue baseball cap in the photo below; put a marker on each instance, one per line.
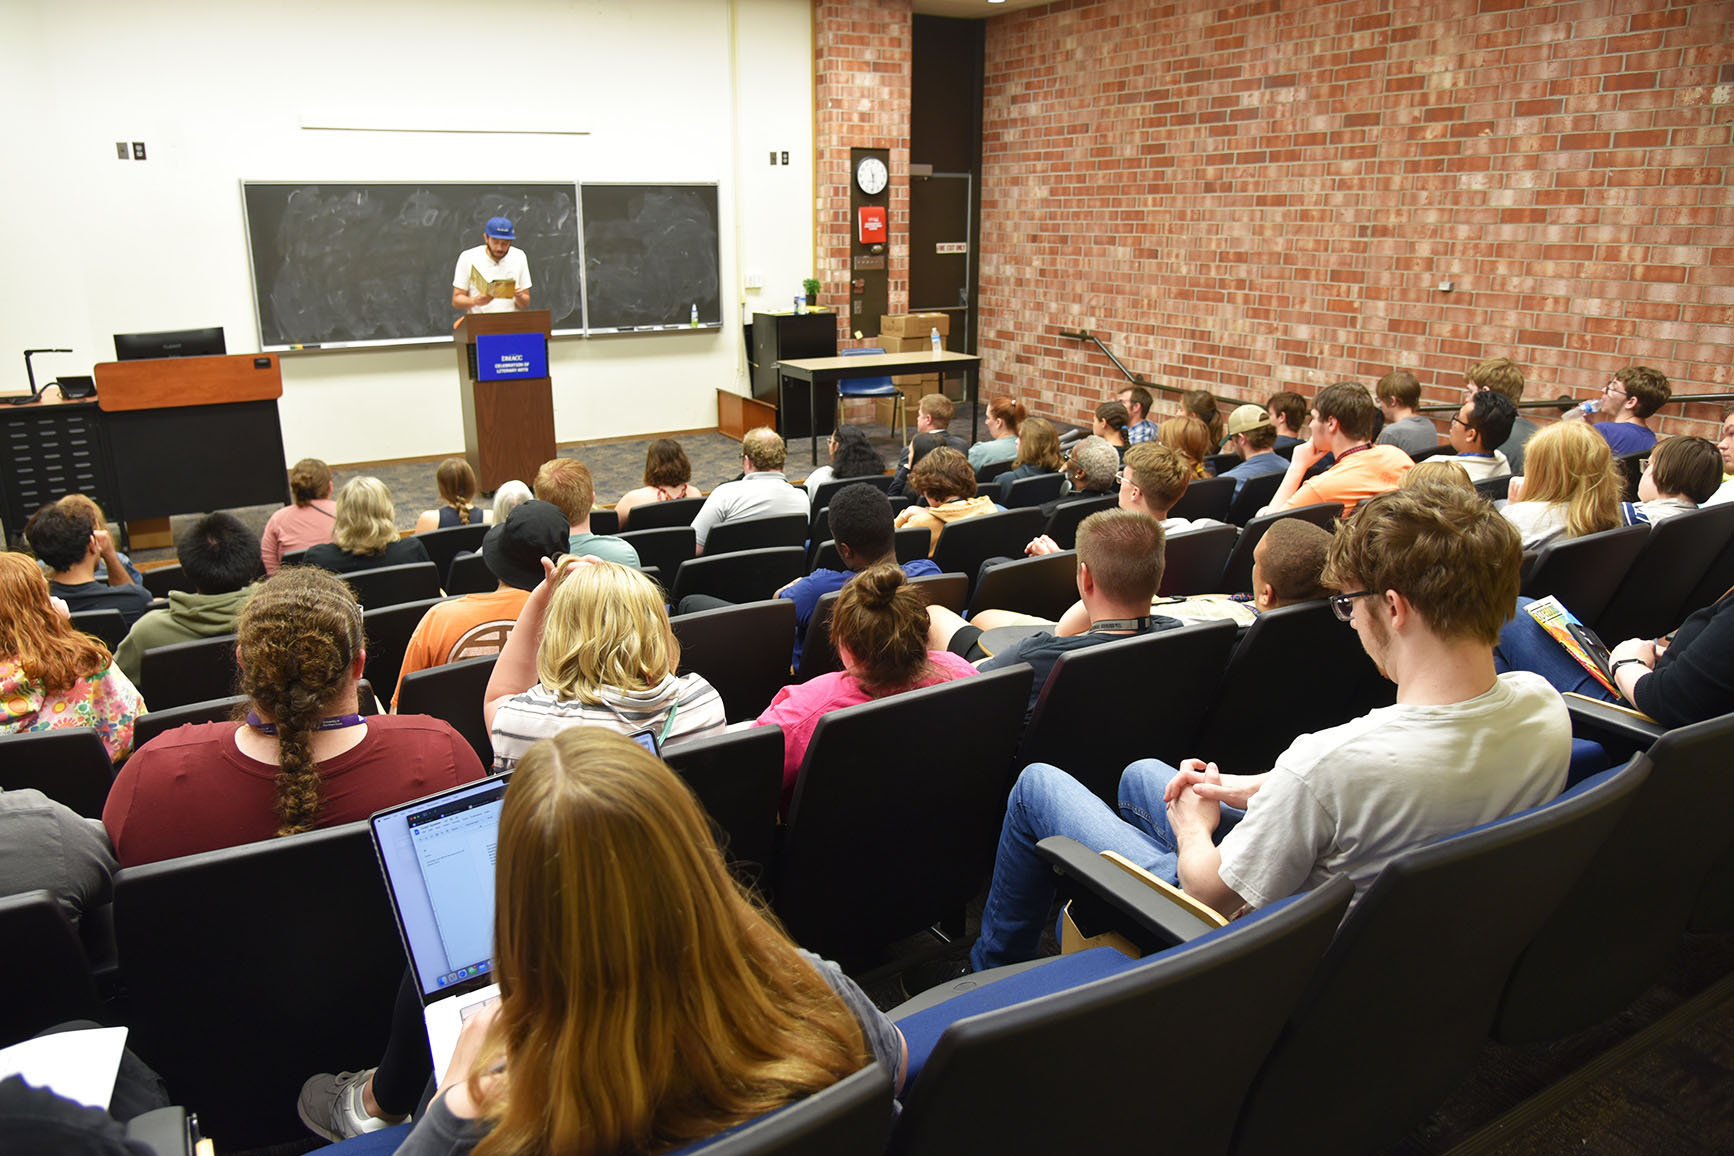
(500, 228)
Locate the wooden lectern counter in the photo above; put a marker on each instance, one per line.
(508, 425)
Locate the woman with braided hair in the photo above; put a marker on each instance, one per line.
(300, 757)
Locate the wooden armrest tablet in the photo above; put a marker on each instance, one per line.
(1117, 898)
(1593, 718)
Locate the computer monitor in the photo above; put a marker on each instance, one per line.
(170, 343)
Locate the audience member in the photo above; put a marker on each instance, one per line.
(627, 1046)
(1572, 487)
(593, 648)
(1425, 580)
(1004, 417)
(303, 758)
(667, 477)
(509, 497)
(220, 557)
(1288, 415)
(1624, 408)
(456, 482)
(306, 521)
(1110, 425)
(88, 504)
(44, 844)
(1092, 469)
(933, 416)
(565, 484)
(1482, 422)
(1342, 424)
(1138, 401)
(1681, 474)
(1152, 480)
(52, 675)
(1726, 445)
(71, 542)
(1189, 437)
(920, 446)
(478, 625)
(852, 456)
(1038, 453)
(364, 534)
(1201, 405)
(1502, 375)
(879, 628)
(1437, 471)
(762, 491)
(944, 478)
(1399, 395)
(1252, 436)
(1119, 571)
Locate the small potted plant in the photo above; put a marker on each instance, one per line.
(811, 287)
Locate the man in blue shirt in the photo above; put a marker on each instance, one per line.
(1627, 401)
(1252, 435)
(1137, 400)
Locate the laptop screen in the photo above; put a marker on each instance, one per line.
(438, 858)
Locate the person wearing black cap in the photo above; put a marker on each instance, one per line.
(478, 625)
(493, 277)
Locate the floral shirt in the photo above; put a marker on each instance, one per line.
(105, 701)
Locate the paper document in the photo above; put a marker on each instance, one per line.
(481, 287)
(78, 1065)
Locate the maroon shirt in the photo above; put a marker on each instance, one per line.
(190, 790)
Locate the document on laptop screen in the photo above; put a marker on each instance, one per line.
(456, 853)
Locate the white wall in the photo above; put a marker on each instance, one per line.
(669, 90)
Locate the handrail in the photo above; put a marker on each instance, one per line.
(1563, 403)
(1135, 378)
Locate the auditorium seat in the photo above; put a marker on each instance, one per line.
(184, 672)
(453, 692)
(1237, 573)
(742, 650)
(738, 777)
(1205, 498)
(654, 515)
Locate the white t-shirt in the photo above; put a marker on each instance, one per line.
(515, 267)
(1479, 467)
(1349, 799)
(1538, 522)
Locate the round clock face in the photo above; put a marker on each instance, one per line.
(871, 175)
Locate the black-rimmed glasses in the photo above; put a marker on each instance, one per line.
(1343, 605)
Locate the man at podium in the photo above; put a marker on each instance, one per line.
(493, 277)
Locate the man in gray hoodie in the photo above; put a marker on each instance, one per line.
(221, 558)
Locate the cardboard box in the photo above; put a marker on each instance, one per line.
(905, 344)
(923, 382)
(914, 324)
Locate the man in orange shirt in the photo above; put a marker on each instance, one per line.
(477, 625)
(1343, 416)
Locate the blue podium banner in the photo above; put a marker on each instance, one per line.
(504, 356)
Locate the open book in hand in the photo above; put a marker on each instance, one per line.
(481, 287)
(1579, 640)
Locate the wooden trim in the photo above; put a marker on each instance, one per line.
(175, 382)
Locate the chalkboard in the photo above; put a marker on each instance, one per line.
(650, 256)
(337, 264)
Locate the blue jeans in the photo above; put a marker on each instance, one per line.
(1524, 645)
(1047, 801)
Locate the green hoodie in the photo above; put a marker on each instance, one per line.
(189, 617)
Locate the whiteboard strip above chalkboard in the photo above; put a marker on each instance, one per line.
(483, 121)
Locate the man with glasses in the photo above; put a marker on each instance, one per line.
(1426, 577)
(1343, 416)
(1150, 481)
(1625, 406)
(1479, 425)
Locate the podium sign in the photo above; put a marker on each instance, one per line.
(511, 356)
(507, 399)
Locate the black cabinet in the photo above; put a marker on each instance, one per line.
(788, 337)
(49, 451)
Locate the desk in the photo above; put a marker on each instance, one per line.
(817, 371)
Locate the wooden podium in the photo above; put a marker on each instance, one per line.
(508, 425)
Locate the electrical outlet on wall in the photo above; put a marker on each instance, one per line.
(138, 152)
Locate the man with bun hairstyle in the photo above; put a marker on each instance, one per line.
(1425, 577)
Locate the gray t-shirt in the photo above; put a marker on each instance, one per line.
(604, 546)
(1411, 435)
(45, 845)
(440, 1133)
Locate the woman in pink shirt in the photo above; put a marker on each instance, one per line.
(880, 630)
(308, 522)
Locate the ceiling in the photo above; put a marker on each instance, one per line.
(973, 9)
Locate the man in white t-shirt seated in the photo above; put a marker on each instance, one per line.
(1152, 479)
(1482, 423)
(1425, 577)
(493, 277)
(763, 490)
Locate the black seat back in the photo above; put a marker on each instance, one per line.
(106, 626)
(1679, 552)
(444, 545)
(1045, 586)
(604, 522)
(1063, 523)
(742, 650)
(827, 490)
(664, 548)
(44, 969)
(1205, 498)
(757, 534)
(1255, 494)
(388, 630)
(1036, 490)
(655, 515)
(160, 580)
(454, 692)
(290, 941)
(741, 576)
(965, 545)
(155, 722)
(1494, 489)
(1193, 561)
(992, 470)
(394, 585)
(850, 1118)
(910, 543)
(184, 672)
(879, 845)
(1094, 714)
(1583, 573)
(469, 574)
(738, 776)
(1237, 573)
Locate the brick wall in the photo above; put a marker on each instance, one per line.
(861, 51)
(1254, 196)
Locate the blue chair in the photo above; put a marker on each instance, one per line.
(872, 387)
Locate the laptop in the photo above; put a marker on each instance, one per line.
(437, 856)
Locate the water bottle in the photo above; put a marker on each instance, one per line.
(800, 302)
(938, 345)
(695, 314)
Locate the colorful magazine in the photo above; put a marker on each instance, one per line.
(1579, 640)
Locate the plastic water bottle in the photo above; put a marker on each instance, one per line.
(800, 302)
(695, 314)
(938, 346)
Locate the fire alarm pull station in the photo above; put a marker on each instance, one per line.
(871, 224)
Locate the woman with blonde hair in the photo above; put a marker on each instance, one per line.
(52, 675)
(1570, 486)
(301, 757)
(306, 521)
(1436, 472)
(667, 476)
(456, 483)
(1038, 453)
(1190, 438)
(1005, 416)
(593, 647)
(646, 1001)
(879, 628)
(364, 534)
